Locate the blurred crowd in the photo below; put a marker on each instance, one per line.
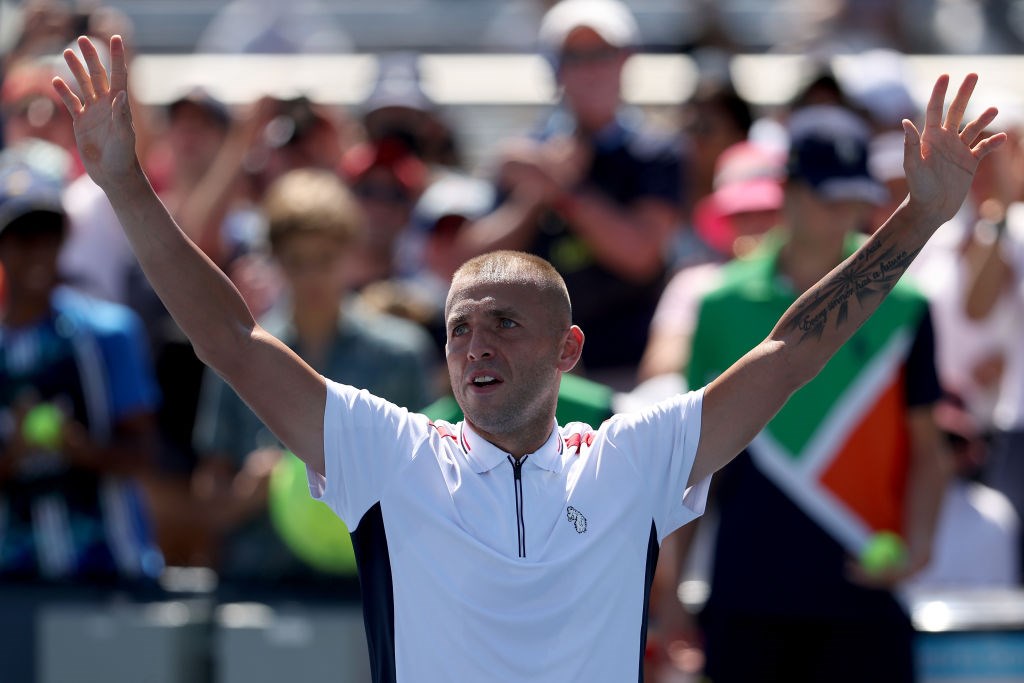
(120, 454)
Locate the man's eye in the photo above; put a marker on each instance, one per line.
(507, 323)
(459, 330)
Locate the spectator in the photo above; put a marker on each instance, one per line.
(713, 119)
(397, 108)
(387, 179)
(299, 133)
(746, 203)
(596, 191)
(87, 360)
(77, 429)
(30, 110)
(974, 276)
(444, 209)
(314, 225)
(976, 540)
(854, 453)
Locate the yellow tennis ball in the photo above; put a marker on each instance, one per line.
(42, 426)
(884, 551)
(308, 527)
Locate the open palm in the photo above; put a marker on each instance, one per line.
(101, 115)
(940, 162)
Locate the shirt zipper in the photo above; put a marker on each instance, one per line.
(517, 475)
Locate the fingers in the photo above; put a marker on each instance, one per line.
(97, 72)
(955, 114)
(92, 78)
(69, 98)
(975, 128)
(933, 112)
(988, 145)
(80, 74)
(911, 143)
(118, 66)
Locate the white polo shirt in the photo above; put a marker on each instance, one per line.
(473, 569)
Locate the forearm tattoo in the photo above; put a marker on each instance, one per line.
(871, 274)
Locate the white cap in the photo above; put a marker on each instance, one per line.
(610, 19)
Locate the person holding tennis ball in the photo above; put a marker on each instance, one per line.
(848, 476)
(506, 547)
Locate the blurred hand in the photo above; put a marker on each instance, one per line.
(890, 577)
(989, 370)
(253, 480)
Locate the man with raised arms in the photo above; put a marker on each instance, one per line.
(507, 547)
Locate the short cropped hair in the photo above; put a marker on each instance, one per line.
(311, 201)
(521, 267)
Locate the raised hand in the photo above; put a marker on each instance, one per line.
(101, 115)
(940, 162)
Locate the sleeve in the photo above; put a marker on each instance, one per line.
(367, 443)
(662, 442)
(923, 387)
(133, 386)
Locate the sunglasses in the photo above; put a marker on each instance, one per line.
(596, 55)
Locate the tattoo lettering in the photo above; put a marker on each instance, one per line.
(871, 274)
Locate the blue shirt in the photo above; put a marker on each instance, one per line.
(58, 521)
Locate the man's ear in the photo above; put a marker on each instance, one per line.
(572, 349)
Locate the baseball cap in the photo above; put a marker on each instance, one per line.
(610, 19)
(30, 181)
(748, 178)
(456, 195)
(202, 100)
(828, 150)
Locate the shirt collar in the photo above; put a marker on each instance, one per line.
(485, 456)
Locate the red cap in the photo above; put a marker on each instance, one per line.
(748, 178)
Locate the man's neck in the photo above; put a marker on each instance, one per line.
(804, 261)
(519, 445)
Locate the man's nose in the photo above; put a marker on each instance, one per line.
(480, 345)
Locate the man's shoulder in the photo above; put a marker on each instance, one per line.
(387, 333)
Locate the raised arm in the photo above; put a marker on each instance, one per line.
(940, 163)
(281, 388)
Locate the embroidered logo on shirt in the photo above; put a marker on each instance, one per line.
(577, 519)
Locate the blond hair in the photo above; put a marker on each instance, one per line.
(309, 200)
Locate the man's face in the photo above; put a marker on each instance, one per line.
(813, 215)
(506, 351)
(195, 137)
(314, 264)
(590, 71)
(29, 258)
(387, 205)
